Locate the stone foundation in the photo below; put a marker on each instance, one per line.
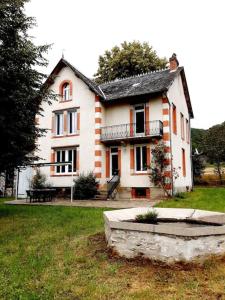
(162, 242)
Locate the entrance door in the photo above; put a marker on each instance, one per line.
(114, 161)
(140, 119)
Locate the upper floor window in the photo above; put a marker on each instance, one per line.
(174, 118)
(66, 91)
(59, 123)
(72, 122)
(140, 158)
(182, 125)
(187, 131)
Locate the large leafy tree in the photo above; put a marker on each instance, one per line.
(128, 59)
(21, 85)
(214, 147)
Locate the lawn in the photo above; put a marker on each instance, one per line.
(60, 253)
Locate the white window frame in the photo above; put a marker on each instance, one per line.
(61, 125)
(73, 113)
(141, 154)
(66, 91)
(66, 160)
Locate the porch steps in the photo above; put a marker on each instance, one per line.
(101, 195)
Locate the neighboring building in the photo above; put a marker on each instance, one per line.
(114, 125)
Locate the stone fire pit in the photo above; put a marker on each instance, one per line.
(176, 240)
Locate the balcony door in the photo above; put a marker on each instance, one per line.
(139, 119)
(114, 161)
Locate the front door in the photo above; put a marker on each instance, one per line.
(140, 119)
(114, 161)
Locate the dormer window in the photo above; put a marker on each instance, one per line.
(66, 91)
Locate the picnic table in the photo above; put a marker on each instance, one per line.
(40, 195)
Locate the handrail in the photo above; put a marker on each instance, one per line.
(112, 184)
(130, 130)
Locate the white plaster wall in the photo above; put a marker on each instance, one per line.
(84, 99)
(176, 96)
(120, 114)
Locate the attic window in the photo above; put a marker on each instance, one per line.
(66, 91)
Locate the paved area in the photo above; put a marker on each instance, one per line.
(89, 203)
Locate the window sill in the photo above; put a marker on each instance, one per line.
(66, 174)
(64, 136)
(62, 101)
(140, 173)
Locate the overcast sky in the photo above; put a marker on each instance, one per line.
(193, 29)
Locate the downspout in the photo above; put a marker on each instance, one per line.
(170, 124)
(190, 141)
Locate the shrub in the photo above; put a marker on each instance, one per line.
(39, 181)
(149, 218)
(85, 186)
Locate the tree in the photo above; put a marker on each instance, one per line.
(197, 137)
(127, 60)
(198, 162)
(21, 85)
(214, 147)
(157, 169)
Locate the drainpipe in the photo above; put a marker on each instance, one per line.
(170, 124)
(190, 141)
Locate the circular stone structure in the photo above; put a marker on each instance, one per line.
(193, 234)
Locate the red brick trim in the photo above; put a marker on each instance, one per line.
(107, 164)
(61, 88)
(98, 153)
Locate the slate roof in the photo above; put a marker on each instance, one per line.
(64, 63)
(149, 83)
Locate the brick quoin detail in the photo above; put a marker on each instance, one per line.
(166, 139)
(98, 152)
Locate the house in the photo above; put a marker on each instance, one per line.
(111, 128)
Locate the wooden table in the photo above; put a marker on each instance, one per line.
(41, 195)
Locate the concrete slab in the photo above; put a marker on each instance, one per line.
(88, 203)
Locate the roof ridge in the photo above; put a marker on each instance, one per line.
(133, 76)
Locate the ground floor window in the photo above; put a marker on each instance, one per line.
(66, 155)
(140, 158)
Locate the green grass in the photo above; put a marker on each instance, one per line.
(60, 253)
(202, 198)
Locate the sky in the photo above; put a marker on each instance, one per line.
(193, 29)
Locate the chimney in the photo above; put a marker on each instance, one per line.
(174, 63)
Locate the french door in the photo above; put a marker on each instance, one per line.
(139, 117)
(114, 161)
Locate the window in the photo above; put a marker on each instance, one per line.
(187, 131)
(174, 118)
(59, 123)
(66, 91)
(72, 122)
(66, 155)
(182, 125)
(139, 119)
(140, 158)
(183, 163)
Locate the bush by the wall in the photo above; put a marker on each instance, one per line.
(85, 186)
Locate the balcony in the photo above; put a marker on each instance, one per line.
(132, 131)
